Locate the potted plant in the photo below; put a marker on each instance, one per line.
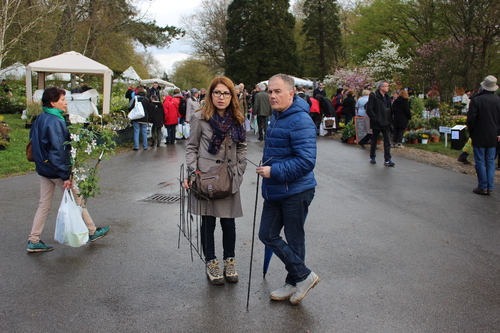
(435, 135)
(411, 137)
(4, 131)
(431, 104)
(33, 109)
(349, 132)
(3, 143)
(425, 138)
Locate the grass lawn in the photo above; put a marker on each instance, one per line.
(13, 160)
(439, 148)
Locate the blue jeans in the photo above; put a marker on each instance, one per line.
(289, 213)
(143, 129)
(485, 167)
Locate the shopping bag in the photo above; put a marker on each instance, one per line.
(179, 131)
(186, 129)
(248, 128)
(70, 228)
(164, 133)
(137, 112)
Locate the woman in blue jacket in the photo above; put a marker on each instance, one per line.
(51, 151)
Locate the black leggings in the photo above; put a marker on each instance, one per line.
(207, 237)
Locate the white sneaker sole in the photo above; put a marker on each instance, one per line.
(296, 301)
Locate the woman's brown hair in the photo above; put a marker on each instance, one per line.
(208, 110)
(404, 94)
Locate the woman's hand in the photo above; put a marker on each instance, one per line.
(264, 171)
(187, 184)
(68, 184)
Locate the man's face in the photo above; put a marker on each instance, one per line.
(384, 89)
(155, 85)
(280, 96)
(320, 87)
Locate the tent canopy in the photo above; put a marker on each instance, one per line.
(160, 82)
(15, 71)
(69, 62)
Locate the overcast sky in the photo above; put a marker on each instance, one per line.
(168, 12)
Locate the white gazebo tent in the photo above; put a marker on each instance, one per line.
(69, 62)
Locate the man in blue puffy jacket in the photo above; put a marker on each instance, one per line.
(288, 185)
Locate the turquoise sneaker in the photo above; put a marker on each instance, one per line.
(39, 247)
(99, 233)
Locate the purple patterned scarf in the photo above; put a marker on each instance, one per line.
(221, 127)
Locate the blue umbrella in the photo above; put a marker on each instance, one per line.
(267, 259)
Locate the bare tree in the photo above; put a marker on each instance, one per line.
(206, 33)
(21, 17)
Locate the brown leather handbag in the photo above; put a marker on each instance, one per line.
(29, 152)
(217, 184)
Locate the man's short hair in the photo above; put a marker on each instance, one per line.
(300, 87)
(380, 83)
(177, 91)
(154, 98)
(289, 81)
(262, 86)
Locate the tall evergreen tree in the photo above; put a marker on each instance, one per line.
(323, 36)
(260, 40)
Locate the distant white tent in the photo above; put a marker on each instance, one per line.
(161, 82)
(298, 81)
(131, 75)
(13, 72)
(69, 62)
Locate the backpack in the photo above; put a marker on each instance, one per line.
(128, 94)
(182, 105)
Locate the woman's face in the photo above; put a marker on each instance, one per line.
(222, 101)
(61, 104)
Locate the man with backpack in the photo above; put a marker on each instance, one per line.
(181, 104)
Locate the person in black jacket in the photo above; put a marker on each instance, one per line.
(141, 125)
(51, 152)
(156, 117)
(483, 122)
(378, 109)
(401, 114)
(349, 109)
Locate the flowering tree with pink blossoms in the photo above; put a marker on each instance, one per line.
(357, 78)
(447, 64)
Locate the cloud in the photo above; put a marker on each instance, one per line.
(167, 60)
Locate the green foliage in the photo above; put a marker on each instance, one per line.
(349, 131)
(192, 73)
(431, 104)
(260, 41)
(411, 135)
(416, 106)
(323, 37)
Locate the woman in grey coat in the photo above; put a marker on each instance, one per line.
(219, 119)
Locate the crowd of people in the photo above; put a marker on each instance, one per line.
(218, 137)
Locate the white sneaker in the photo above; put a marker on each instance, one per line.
(283, 293)
(303, 287)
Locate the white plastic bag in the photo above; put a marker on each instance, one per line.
(137, 112)
(186, 129)
(164, 133)
(179, 131)
(248, 128)
(70, 228)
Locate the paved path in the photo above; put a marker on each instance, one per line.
(404, 249)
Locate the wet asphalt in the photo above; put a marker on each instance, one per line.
(403, 249)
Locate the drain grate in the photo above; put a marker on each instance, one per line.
(162, 198)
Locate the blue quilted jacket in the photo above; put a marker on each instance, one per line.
(51, 154)
(290, 150)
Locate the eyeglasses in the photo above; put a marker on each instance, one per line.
(225, 94)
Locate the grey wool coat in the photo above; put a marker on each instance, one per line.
(198, 158)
